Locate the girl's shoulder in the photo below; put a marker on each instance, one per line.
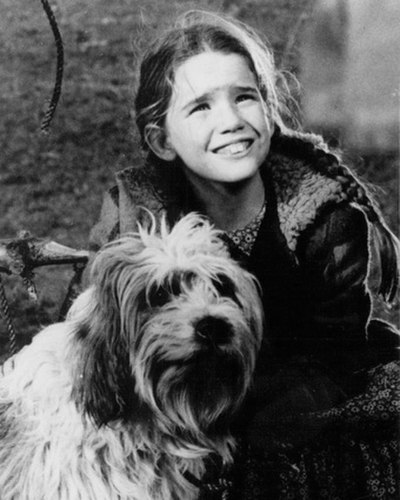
(302, 188)
(307, 178)
(135, 185)
(124, 205)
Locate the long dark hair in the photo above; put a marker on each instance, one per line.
(194, 33)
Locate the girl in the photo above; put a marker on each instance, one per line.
(320, 422)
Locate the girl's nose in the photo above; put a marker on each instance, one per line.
(229, 119)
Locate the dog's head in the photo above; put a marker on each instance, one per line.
(173, 331)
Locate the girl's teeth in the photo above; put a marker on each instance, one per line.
(235, 148)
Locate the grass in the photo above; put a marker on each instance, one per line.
(53, 185)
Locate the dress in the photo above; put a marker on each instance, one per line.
(321, 420)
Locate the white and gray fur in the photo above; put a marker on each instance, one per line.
(139, 384)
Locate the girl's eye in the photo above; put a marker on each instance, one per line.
(246, 97)
(200, 107)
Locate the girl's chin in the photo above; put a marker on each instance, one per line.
(236, 175)
(228, 174)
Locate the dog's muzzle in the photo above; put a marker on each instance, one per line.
(212, 330)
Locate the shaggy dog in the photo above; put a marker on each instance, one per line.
(132, 394)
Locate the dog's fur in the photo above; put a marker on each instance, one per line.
(139, 383)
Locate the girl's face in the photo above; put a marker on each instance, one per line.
(216, 122)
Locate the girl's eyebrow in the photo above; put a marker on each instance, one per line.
(197, 100)
(207, 95)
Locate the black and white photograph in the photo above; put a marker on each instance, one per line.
(199, 250)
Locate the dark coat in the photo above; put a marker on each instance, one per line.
(313, 255)
(306, 426)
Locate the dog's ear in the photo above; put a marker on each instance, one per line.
(105, 384)
(104, 378)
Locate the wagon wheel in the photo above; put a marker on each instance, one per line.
(21, 255)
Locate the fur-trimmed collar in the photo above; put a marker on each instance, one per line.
(300, 190)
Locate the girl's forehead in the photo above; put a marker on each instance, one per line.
(210, 71)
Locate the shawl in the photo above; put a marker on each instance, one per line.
(301, 194)
(346, 451)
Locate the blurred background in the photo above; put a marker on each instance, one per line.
(53, 185)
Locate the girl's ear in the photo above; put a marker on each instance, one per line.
(272, 127)
(268, 117)
(271, 122)
(159, 143)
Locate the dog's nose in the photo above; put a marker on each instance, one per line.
(213, 330)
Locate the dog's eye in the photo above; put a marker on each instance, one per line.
(158, 296)
(179, 282)
(225, 287)
(175, 286)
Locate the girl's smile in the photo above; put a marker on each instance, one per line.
(234, 148)
(216, 122)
